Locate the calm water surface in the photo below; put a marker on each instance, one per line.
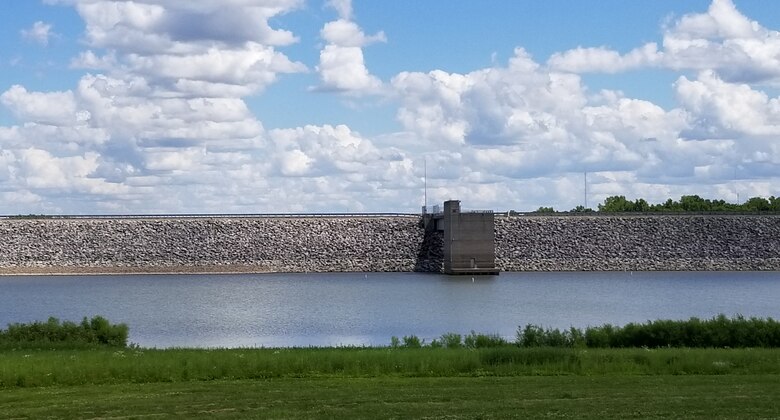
(368, 309)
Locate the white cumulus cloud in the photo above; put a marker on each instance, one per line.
(40, 32)
(342, 65)
(161, 123)
(604, 60)
(343, 7)
(722, 40)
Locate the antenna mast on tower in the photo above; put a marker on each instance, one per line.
(425, 182)
(586, 190)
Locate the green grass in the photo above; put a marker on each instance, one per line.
(499, 382)
(28, 368)
(53, 370)
(749, 396)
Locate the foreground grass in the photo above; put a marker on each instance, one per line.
(724, 396)
(68, 370)
(34, 368)
(503, 382)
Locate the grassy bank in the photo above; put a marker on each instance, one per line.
(96, 352)
(86, 370)
(28, 368)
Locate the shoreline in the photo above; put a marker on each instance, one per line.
(118, 271)
(242, 269)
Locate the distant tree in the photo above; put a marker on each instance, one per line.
(721, 205)
(694, 203)
(757, 204)
(581, 209)
(688, 203)
(774, 203)
(545, 210)
(616, 204)
(669, 205)
(641, 205)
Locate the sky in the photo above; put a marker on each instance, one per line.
(300, 106)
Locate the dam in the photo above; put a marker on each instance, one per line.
(389, 243)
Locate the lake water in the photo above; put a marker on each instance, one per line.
(273, 310)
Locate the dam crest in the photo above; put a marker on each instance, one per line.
(390, 243)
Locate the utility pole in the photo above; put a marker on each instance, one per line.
(586, 190)
(425, 182)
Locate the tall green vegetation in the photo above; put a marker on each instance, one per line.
(31, 368)
(55, 334)
(686, 203)
(718, 332)
(452, 341)
(31, 357)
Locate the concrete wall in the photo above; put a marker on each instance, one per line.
(469, 240)
(385, 244)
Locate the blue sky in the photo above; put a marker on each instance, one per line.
(334, 105)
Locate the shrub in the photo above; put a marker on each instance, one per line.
(535, 336)
(395, 342)
(95, 331)
(599, 337)
(720, 331)
(452, 340)
(480, 341)
(412, 342)
(530, 336)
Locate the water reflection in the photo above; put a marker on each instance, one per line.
(368, 308)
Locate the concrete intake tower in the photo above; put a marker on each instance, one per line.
(469, 239)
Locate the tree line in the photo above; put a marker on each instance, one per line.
(686, 203)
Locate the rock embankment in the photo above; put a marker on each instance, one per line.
(210, 245)
(638, 243)
(377, 244)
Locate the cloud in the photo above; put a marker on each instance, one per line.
(160, 123)
(722, 40)
(91, 61)
(345, 33)
(42, 170)
(165, 111)
(343, 7)
(604, 60)
(722, 21)
(39, 32)
(510, 105)
(235, 72)
(343, 69)
(722, 109)
(189, 49)
(725, 41)
(158, 26)
(524, 121)
(342, 66)
(331, 151)
(53, 108)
